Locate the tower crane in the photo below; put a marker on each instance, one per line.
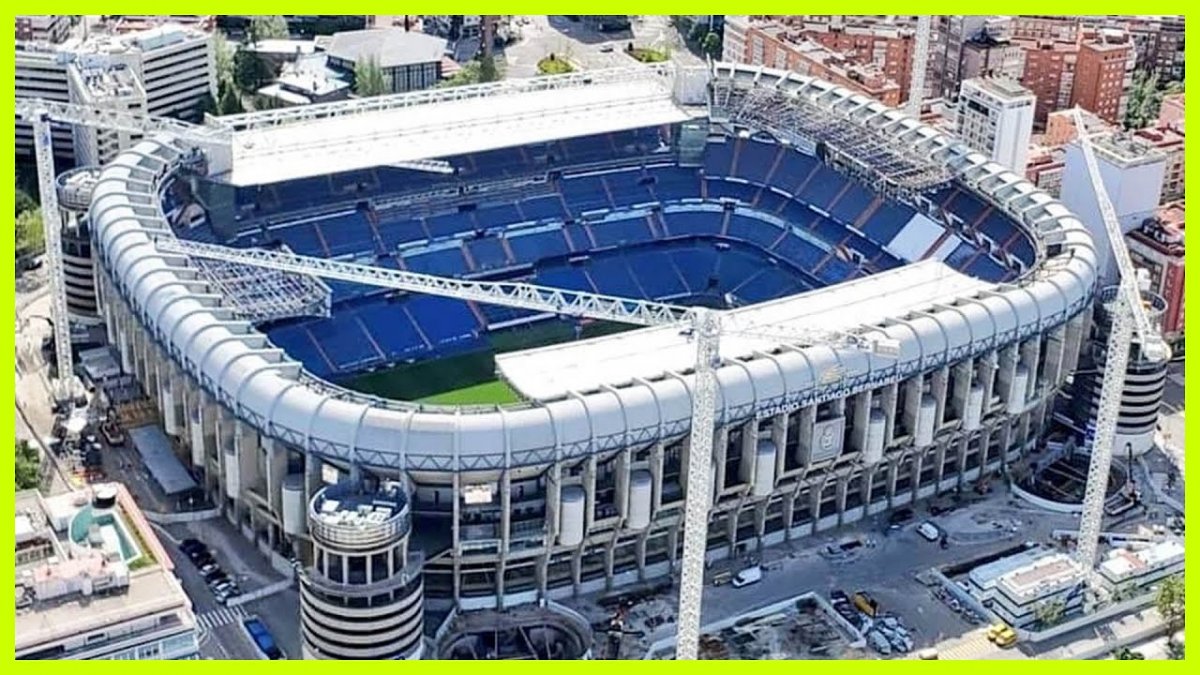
(1128, 318)
(704, 325)
(916, 80)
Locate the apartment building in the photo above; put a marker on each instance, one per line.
(51, 28)
(1158, 247)
(995, 116)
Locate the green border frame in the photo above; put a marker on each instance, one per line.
(7, 424)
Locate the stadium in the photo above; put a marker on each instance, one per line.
(527, 456)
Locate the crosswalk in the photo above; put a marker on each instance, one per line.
(972, 646)
(220, 617)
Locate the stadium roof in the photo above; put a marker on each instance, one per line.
(552, 372)
(329, 138)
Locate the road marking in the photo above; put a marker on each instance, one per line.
(220, 617)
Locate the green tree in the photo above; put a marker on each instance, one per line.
(267, 27)
(1170, 602)
(251, 71)
(368, 78)
(31, 239)
(229, 102)
(1144, 100)
(207, 105)
(487, 69)
(1127, 654)
(1049, 613)
(223, 54)
(23, 201)
(469, 74)
(28, 466)
(711, 45)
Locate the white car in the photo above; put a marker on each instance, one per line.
(929, 531)
(750, 575)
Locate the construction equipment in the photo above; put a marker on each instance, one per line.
(704, 326)
(916, 81)
(1128, 317)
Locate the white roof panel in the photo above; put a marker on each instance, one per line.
(551, 372)
(444, 128)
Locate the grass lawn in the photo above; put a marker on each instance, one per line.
(554, 66)
(467, 379)
(647, 55)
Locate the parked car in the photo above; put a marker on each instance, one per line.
(216, 576)
(262, 638)
(190, 545)
(748, 576)
(929, 531)
(209, 569)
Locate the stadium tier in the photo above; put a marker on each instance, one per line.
(542, 458)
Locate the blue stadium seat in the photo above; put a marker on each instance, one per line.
(1022, 248)
(799, 252)
(695, 264)
(734, 267)
(985, 268)
(768, 284)
(960, 256)
(792, 170)
(488, 253)
(301, 238)
(585, 194)
(543, 208)
(693, 222)
(343, 342)
(752, 230)
(499, 215)
(967, 207)
(823, 187)
(566, 277)
(449, 224)
(496, 314)
(611, 276)
(755, 160)
(391, 328)
(868, 248)
(836, 271)
(349, 233)
(829, 231)
(770, 201)
(397, 232)
(353, 182)
(295, 340)
(743, 192)
(445, 262)
(887, 222)
(656, 275)
(718, 158)
(444, 321)
(578, 236)
(998, 226)
(627, 189)
(675, 183)
(534, 246)
(623, 231)
(850, 207)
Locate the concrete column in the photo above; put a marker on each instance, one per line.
(858, 425)
(913, 388)
(621, 479)
(843, 483)
(656, 478)
(1007, 372)
(939, 381)
(940, 458)
(1031, 351)
(988, 366)
(888, 395)
(779, 438)
(505, 511)
(748, 450)
(1076, 333)
(553, 499)
(589, 494)
(918, 464)
(720, 452)
(248, 449)
(808, 417)
(893, 473)
(964, 372)
(731, 528)
(456, 529)
(1055, 352)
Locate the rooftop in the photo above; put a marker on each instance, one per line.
(388, 47)
(1042, 577)
(553, 372)
(1001, 87)
(73, 588)
(1124, 562)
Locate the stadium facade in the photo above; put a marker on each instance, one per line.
(780, 197)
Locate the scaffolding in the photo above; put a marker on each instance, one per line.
(261, 295)
(873, 155)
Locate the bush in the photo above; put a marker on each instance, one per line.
(27, 467)
(648, 55)
(552, 65)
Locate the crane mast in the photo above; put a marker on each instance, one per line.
(1128, 316)
(63, 389)
(916, 81)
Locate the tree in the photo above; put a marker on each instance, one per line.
(487, 69)
(251, 71)
(1144, 100)
(368, 78)
(31, 240)
(1127, 654)
(207, 105)
(1049, 613)
(229, 102)
(23, 201)
(28, 466)
(267, 27)
(223, 55)
(711, 45)
(1170, 602)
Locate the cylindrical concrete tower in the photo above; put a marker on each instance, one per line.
(1144, 381)
(74, 199)
(363, 597)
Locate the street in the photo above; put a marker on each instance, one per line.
(587, 49)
